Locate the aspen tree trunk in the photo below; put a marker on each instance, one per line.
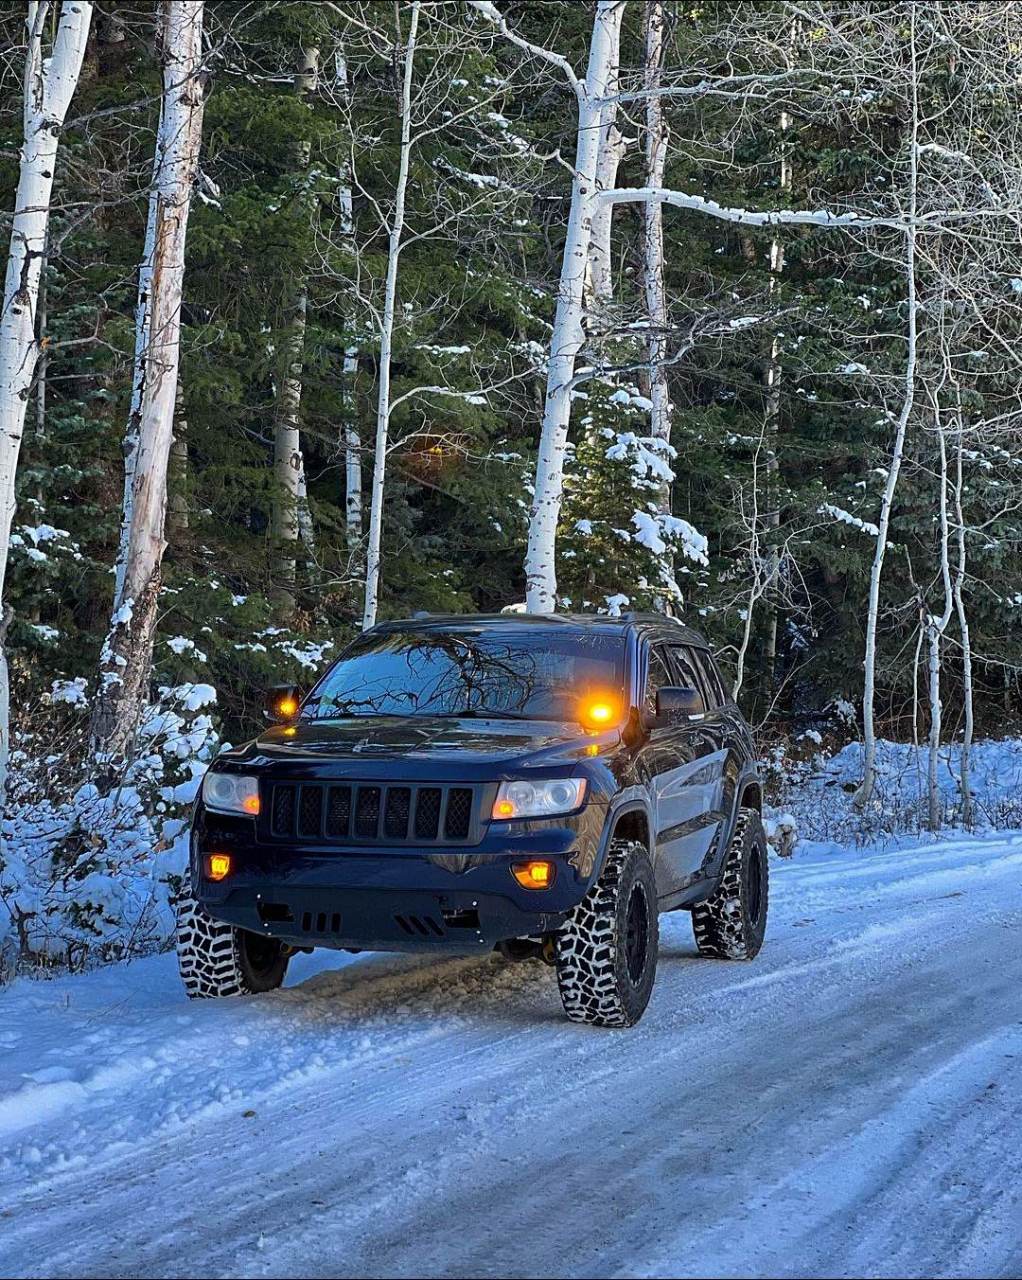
(352, 440)
(288, 465)
(372, 579)
(127, 653)
(569, 328)
(291, 519)
(865, 792)
(49, 84)
(963, 626)
(43, 365)
(772, 519)
(653, 237)
(935, 628)
(612, 148)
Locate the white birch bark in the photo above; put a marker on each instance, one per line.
(964, 781)
(127, 654)
(49, 83)
(612, 149)
(291, 517)
(352, 440)
(773, 412)
(936, 625)
(865, 792)
(372, 578)
(352, 459)
(288, 464)
(653, 237)
(569, 328)
(42, 365)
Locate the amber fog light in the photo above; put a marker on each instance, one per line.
(534, 875)
(218, 866)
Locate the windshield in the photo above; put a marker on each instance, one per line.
(532, 673)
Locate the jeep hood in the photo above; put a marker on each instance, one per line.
(427, 746)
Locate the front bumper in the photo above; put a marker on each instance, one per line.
(396, 898)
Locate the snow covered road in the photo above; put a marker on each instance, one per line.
(849, 1104)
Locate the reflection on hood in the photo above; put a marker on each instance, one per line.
(384, 737)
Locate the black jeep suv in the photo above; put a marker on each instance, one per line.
(544, 785)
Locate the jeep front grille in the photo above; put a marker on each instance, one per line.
(359, 813)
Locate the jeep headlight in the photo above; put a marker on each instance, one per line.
(538, 799)
(231, 793)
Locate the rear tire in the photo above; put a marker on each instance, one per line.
(731, 924)
(606, 953)
(217, 959)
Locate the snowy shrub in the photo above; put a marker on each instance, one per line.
(87, 871)
(817, 790)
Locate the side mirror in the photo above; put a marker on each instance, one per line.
(675, 704)
(281, 703)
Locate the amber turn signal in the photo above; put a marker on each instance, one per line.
(537, 874)
(218, 866)
(286, 708)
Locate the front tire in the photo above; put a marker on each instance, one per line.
(731, 924)
(606, 953)
(217, 959)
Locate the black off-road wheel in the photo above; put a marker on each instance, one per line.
(217, 959)
(731, 924)
(606, 953)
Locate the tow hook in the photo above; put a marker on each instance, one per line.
(549, 951)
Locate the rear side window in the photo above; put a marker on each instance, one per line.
(704, 662)
(693, 673)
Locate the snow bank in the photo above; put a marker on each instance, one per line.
(818, 792)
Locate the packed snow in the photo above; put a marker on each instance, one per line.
(849, 1104)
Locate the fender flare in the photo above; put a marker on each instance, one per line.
(747, 783)
(633, 800)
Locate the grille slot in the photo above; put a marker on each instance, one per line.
(427, 813)
(459, 813)
(283, 814)
(395, 816)
(310, 811)
(352, 813)
(338, 811)
(367, 812)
